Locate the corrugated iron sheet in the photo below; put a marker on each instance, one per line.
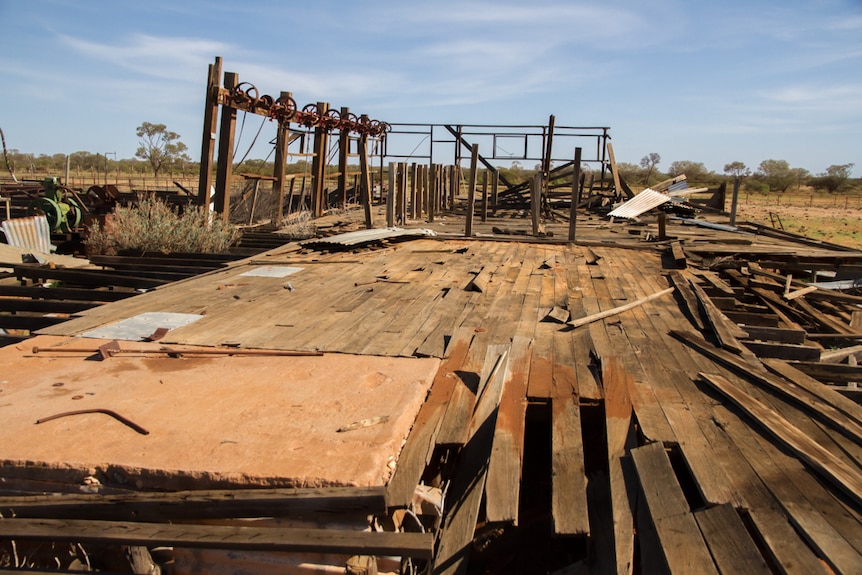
(641, 203)
(32, 233)
(368, 236)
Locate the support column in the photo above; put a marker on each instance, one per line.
(734, 200)
(471, 190)
(390, 197)
(318, 166)
(485, 196)
(208, 141)
(432, 192)
(343, 149)
(365, 180)
(573, 208)
(282, 139)
(227, 132)
(536, 201)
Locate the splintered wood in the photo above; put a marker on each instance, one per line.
(688, 420)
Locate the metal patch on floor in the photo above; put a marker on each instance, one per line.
(140, 327)
(271, 271)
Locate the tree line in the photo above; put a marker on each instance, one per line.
(769, 176)
(161, 151)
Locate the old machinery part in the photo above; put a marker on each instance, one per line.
(59, 206)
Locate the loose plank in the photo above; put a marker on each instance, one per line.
(220, 537)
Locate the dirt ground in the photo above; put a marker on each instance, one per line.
(835, 224)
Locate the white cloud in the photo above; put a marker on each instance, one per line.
(155, 56)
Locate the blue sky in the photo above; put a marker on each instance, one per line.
(710, 82)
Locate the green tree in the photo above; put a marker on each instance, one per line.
(834, 178)
(158, 146)
(777, 174)
(736, 169)
(629, 172)
(649, 162)
(694, 171)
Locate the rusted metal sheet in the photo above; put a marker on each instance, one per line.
(641, 203)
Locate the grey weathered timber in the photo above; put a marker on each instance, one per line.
(220, 537)
(684, 549)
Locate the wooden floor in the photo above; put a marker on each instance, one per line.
(673, 447)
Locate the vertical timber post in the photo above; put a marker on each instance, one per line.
(402, 189)
(227, 132)
(209, 133)
(495, 185)
(454, 183)
(536, 201)
(576, 182)
(485, 195)
(432, 191)
(734, 201)
(365, 185)
(343, 149)
(414, 212)
(318, 166)
(471, 190)
(390, 197)
(282, 138)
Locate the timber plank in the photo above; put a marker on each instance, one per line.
(834, 470)
(468, 484)
(568, 479)
(681, 541)
(729, 542)
(420, 442)
(620, 439)
(220, 537)
(821, 403)
(214, 504)
(502, 487)
(771, 466)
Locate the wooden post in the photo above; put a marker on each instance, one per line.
(365, 185)
(209, 134)
(536, 201)
(454, 184)
(253, 201)
(282, 139)
(484, 215)
(549, 147)
(390, 197)
(495, 185)
(432, 192)
(414, 211)
(318, 166)
(471, 190)
(662, 226)
(618, 188)
(734, 200)
(445, 186)
(402, 193)
(224, 171)
(573, 208)
(343, 149)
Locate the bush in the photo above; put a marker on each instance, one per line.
(153, 226)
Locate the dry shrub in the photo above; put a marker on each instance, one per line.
(151, 225)
(298, 226)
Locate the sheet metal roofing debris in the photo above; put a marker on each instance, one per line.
(641, 203)
(368, 236)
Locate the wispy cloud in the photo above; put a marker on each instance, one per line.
(155, 56)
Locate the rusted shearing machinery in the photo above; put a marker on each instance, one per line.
(235, 96)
